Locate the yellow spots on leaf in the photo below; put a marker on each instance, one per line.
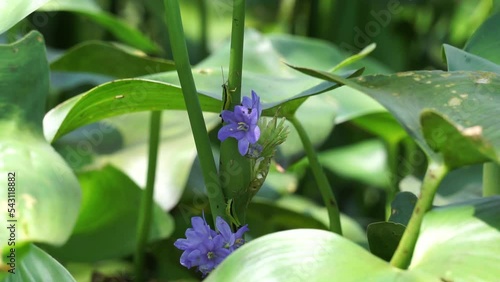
(205, 71)
(473, 132)
(482, 80)
(455, 101)
(446, 74)
(464, 96)
(119, 97)
(402, 74)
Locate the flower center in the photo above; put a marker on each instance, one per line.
(210, 255)
(242, 126)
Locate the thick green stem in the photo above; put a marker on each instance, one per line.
(202, 141)
(491, 179)
(236, 52)
(146, 207)
(321, 180)
(234, 168)
(436, 171)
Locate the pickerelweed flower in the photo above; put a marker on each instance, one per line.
(242, 124)
(204, 248)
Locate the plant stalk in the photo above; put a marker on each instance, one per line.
(436, 171)
(491, 179)
(146, 206)
(198, 127)
(323, 185)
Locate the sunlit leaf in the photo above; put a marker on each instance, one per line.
(13, 12)
(47, 193)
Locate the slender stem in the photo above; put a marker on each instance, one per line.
(236, 52)
(146, 208)
(436, 171)
(235, 169)
(202, 141)
(491, 179)
(392, 159)
(321, 180)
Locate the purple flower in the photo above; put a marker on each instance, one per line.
(242, 124)
(232, 240)
(204, 248)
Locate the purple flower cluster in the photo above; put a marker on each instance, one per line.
(242, 124)
(204, 248)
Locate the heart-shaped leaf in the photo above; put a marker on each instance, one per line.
(46, 198)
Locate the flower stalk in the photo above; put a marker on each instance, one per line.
(320, 177)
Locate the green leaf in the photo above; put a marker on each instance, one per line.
(36, 266)
(110, 207)
(13, 12)
(402, 207)
(47, 197)
(117, 98)
(384, 238)
(459, 60)
(307, 255)
(485, 42)
(109, 59)
(365, 162)
(432, 104)
(383, 125)
(461, 242)
(283, 219)
(119, 28)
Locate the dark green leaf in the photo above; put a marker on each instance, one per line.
(402, 207)
(457, 59)
(110, 207)
(384, 237)
(485, 42)
(119, 28)
(108, 59)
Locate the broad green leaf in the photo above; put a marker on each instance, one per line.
(119, 28)
(110, 206)
(47, 197)
(402, 207)
(283, 219)
(432, 104)
(382, 124)
(485, 42)
(108, 59)
(36, 266)
(459, 60)
(384, 237)
(13, 12)
(350, 228)
(365, 162)
(461, 242)
(308, 255)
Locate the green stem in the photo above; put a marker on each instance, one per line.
(234, 168)
(321, 180)
(436, 171)
(146, 208)
(236, 52)
(491, 179)
(201, 139)
(392, 159)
